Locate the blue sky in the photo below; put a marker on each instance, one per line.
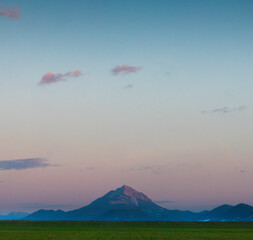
(187, 113)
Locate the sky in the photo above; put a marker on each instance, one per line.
(95, 94)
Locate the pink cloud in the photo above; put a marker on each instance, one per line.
(52, 77)
(125, 69)
(10, 12)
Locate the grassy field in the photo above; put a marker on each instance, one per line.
(23, 230)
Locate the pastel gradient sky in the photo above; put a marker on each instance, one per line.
(154, 94)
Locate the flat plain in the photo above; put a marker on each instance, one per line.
(65, 230)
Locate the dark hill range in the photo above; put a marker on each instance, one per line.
(241, 212)
(125, 203)
(14, 216)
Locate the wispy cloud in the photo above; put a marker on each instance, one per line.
(52, 77)
(1, 181)
(153, 169)
(92, 168)
(143, 168)
(89, 168)
(226, 110)
(20, 164)
(128, 86)
(10, 12)
(125, 69)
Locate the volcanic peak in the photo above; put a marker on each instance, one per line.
(128, 191)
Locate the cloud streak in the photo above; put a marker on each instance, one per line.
(10, 12)
(152, 169)
(125, 69)
(227, 110)
(49, 77)
(92, 168)
(21, 164)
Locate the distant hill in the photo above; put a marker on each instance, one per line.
(14, 216)
(241, 212)
(125, 203)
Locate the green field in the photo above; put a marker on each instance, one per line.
(24, 230)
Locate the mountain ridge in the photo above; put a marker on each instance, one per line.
(127, 204)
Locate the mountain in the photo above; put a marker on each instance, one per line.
(241, 212)
(44, 215)
(124, 202)
(14, 216)
(127, 204)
